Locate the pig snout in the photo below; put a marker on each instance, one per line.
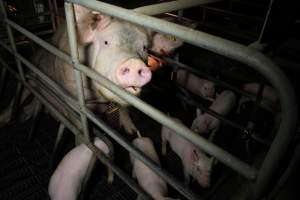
(133, 74)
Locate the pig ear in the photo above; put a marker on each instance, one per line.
(195, 156)
(89, 22)
(198, 112)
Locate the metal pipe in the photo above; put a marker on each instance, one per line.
(74, 53)
(178, 64)
(170, 6)
(3, 80)
(75, 131)
(41, 42)
(11, 40)
(52, 14)
(57, 88)
(235, 51)
(212, 149)
(182, 130)
(141, 156)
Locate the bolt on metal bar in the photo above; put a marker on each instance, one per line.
(74, 53)
(170, 6)
(11, 40)
(77, 132)
(235, 51)
(141, 156)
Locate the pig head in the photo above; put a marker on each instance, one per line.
(113, 48)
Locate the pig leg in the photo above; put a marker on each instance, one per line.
(87, 176)
(126, 122)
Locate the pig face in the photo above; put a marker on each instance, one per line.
(117, 50)
(203, 123)
(201, 168)
(208, 89)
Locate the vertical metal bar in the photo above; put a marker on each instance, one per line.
(60, 132)
(34, 119)
(74, 53)
(3, 79)
(52, 15)
(12, 40)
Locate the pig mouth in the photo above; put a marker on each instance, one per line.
(133, 90)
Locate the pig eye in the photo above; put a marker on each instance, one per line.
(105, 42)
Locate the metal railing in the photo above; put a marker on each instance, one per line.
(218, 45)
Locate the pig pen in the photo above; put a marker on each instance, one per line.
(260, 175)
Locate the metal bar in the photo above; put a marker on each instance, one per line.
(208, 147)
(11, 40)
(178, 64)
(3, 80)
(51, 10)
(170, 6)
(57, 88)
(182, 130)
(41, 42)
(141, 156)
(77, 132)
(74, 53)
(235, 51)
(34, 120)
(60, 132)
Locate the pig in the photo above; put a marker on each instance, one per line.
(196, 85)
(66, 181)
(195, 162)
(223, 104)
(153, 184)
(269, 100)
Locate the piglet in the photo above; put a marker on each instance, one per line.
(153, 184)
(195, 163)
(222, 105)
(66, 181)
(196, 85)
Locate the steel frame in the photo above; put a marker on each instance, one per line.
(215, 44)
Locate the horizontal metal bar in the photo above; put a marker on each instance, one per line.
(141, 156)
(182, 130)
(41, 42)
(170, 6)
(178, 64)
(235, 51)
(57, 88)
(77, 132)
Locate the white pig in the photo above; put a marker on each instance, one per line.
(153, 184)
(66, 181)
(196, 85)
(195, 163)
(222, 105)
